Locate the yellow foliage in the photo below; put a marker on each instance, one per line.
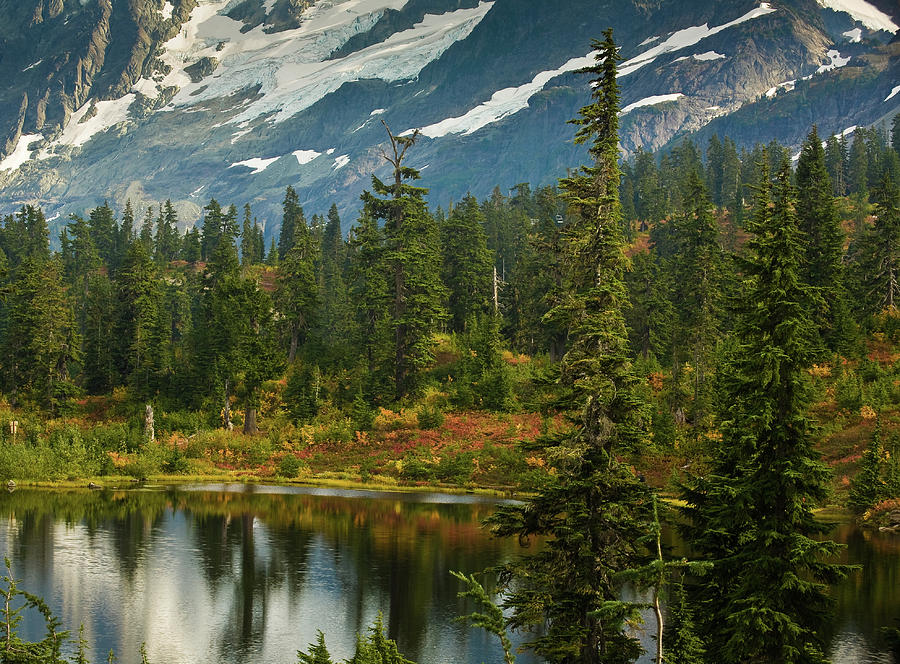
(867, 413)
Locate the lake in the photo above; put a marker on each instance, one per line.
(244, 573)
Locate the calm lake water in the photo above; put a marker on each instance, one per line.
(209, 574)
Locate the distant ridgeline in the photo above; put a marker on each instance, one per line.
(189, 100)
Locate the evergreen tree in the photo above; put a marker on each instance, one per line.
(211, 229)
(337, 310)
(125, 236)
(834, 162)
(292, 217)
(42, 341)
(251, 240)
(318, 653)
(868, 486)
(824, 240)
(369, 290)
(751, 515)
(105, 234)
(191, 246)
(593, 510)
(146, 235)
(137, 289)
(298, 291)
(697, 266)
(412, 256)
(467, 263)
(877, 260)
(100, 374)
(895, 134)
(167, 238)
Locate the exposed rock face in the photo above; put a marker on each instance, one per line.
(236, 100)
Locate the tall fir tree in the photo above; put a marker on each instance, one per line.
(137, 289)
(42, 342)
(291, 218)
(752, 514)
(824, 242)
(369, 289)
(412, 257)
(593, 510)
(467, 265)
(298, 290)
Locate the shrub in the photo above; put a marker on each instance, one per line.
(290, 466)
(429, 417)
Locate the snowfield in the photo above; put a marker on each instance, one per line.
(860, 10)
(21, 153)
(508, 101)
(650, 101)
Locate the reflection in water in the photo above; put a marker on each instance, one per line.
(247, 574)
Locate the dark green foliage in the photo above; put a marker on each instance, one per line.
(297, 298)
(301, 394)
(490, 618)
(15, 602)
(683, 645)
(868, 486)
(593, 510)
(291, 219)
(167, 239)
(751, 515)
(429, 417)
(467, 268)
(412, 257)
(41, 341)
(137, 349)
(824, 242)
(289, 467)
(376, 648)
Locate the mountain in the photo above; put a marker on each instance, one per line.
(236, 99)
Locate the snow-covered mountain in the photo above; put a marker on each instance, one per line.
(235, 99)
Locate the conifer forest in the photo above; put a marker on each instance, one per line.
(703, 341)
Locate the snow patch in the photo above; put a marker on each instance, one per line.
(33, 64)
(80, 130)
(508, 101)
(893, 92)
(650, 101)
(709, 55)
(854, 35)
(340, 162)
(329, 151)
(702, 57)
(377, 111)
(649, 40)
(688, 37)
(862, 11)
(836, 61)
(258, 164)
(290, 67)
(236, 135)
(198, 189)
(305, 156)
(21, 153)
(713, 108)
(167, 10)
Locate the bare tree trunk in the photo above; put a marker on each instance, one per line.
(250, 421)
(496, 298)
(149, 430)
(227, 412)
